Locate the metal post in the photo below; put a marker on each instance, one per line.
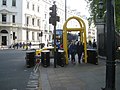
(54, 46)
(55, 38)
(65, 10)
(39, 35)
(53, 20)
(110, 62)
(27, 34)
(41, 40)
(27, 38)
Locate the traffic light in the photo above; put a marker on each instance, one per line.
(57, 18)
(53, 11)
(53, 15)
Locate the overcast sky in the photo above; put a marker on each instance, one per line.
(80, 5)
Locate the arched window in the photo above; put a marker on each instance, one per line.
(4, 31)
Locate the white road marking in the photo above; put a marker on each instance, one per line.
(33, 79)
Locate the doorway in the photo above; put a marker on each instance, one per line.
(4, 40)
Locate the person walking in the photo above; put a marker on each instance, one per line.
(30, 44)
(72, 51)
(80, 50)
(23, 45)
(89, 45)
(17, 45)
(94, 44)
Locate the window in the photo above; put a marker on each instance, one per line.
(4, 17)
(38, 22)
(37, 36)
(27, 35)
(38, 9)
(50, 37)
(45, 37)
(27, 21)
(32, 35)
(33, 7)
(3, 2)
(13, 18)
(45, 16)
(13, 2)
(33, 20)
(27, 5)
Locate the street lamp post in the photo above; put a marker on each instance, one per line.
(100, 8)
(110, 43)
(110, 63)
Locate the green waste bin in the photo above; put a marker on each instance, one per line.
(45, 58)
(30, 58)
(92, 56)
(60, 58)
(117, 55)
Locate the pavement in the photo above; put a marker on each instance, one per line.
(75, 76)
(72, 76)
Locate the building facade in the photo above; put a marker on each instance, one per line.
(28, 21)
(25, 21)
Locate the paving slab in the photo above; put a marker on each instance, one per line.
(75, 77)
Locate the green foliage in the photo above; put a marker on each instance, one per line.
(117, 12)
(94, 11)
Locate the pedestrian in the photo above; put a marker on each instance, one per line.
(23, 45)
(80, 50)
(89, 45)
(27, 44)
(17, 45)
(72, 51)
(30, 44)
(20, 44)
(94, 44)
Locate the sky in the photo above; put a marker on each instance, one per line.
(80, 5)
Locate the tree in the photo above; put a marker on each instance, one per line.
(117, 12)
(94, 11)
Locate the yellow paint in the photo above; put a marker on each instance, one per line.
(82, 30)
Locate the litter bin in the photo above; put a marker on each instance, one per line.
(45, 58)
(60, 58)
(92, 56)
(117, 55)
(30, 58)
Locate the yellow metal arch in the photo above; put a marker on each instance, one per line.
(82, 30)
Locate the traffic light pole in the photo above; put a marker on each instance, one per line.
(53, 20)
(55, 53)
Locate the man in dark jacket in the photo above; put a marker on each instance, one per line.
(80, 50)
(72, 51)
